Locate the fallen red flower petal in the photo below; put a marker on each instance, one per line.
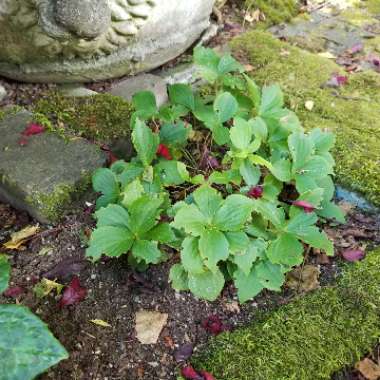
(33, 129)
(307, 207)
(190, 373)
(353, 255)
(256, 192)
(73, 293)
(207, 375)
(214, 325)
(163, 151)
(13, 292)
(23, 141)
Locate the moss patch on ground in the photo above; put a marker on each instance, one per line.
(275, 11)
(102, 117)
(308, 339)
(352, 111)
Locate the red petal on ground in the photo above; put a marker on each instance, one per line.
(73, 293)
(163, 151)
(307, 207)
(353, 255)
(13, 292)
(190, 373)
(214, 325)
(33, 129)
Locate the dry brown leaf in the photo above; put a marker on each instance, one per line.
(304, 279)
(100, 322)
(369, 369)
(20, 237)
(149, 325)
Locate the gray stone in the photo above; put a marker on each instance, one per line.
(70, 41)
(45, 175)
(144, 82)
(184, 73)
(75, 90)
(3, 93)
(85, 18)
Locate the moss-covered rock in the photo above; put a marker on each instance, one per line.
(308, 339)
(275, 11)
(352, 112)
(46, 172)
(101, 117)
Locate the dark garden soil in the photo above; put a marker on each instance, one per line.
(116, 293)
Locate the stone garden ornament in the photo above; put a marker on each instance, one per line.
(87, 40)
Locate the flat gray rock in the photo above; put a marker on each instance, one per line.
(44, 175)
(144, 82)
(3, 93)
(75, 90)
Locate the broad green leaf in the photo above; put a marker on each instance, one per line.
(171, 172)
(287, 250)
(312, 196)
(225, 107)
(253, 91)
(147, 251)
(330, 210)
(145, 103)
(241, 133)
(281, 169)
(190, 219)
(305, 182)
(238, 241)
(118, 167)
(258, 227)
(162, 233)
(300, 221)
(228, 64)
(323, 141)
(269, 211)
(207, 62)
(132, 192)
(113, 215)
(301, 148)
(248, 285)
(5, 269)
(317, 239)
(207, 285)
(175, 134)
(289, 121)
(270, 275)
(259, 128)
(27, 347)
(234, 213)
(105, 181)
(214, 247)
(245, 259)
(145, 142)
(208, 201)
(178, 277)
(272, 99)
(109, 240)
(272, 187)
(144, 212)
(250, 173)
(327, 184)
(131, 172)
(225, 177)
(190, 256)
(182, 94)
(317, 167)
(220, 134)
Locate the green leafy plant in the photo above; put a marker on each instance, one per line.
(251, 219)
(27, 347)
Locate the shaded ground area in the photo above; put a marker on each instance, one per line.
(115, 294)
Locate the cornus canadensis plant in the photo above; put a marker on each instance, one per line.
(248, 219)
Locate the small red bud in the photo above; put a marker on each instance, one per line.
(256, 192)
(163, 151)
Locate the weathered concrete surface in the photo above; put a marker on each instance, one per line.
(144, 82)
(85, 41)
(43, 176)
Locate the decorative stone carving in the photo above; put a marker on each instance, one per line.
(86, 40)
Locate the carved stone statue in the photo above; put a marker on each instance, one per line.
(88, 40)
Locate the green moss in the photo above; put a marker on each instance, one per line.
(51, 206)
(308, 339)
(352, 111)
(275, 11)
(102, 117)
(9, 111)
